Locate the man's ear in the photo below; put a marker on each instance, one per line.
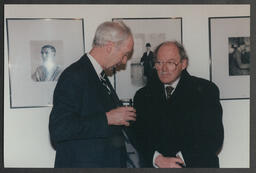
(109, 46)
(184, 63)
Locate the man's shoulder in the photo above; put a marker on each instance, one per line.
(78, 66)
(78, 69)
(201, 84)
(150, 91)
(142, 91)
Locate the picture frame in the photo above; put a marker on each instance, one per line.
(39, 49)
(146, 32)
(229, 41)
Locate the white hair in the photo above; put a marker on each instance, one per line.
(116, 32)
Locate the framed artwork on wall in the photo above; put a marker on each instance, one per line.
(230, 56)
(39, 49)
(148, 33)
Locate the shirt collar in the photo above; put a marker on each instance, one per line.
(174, 84)
(95, 65)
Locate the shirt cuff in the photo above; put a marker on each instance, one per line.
(179, 154)
(154, 158)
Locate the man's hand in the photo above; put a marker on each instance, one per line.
(121, 116)
(168, 162)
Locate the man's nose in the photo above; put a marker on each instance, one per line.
(164, 67)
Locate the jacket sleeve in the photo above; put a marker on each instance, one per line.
(70, 118)
(207, 129)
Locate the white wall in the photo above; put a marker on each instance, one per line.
(26, 136)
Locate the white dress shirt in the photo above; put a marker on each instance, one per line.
(174, 85)
(95, 65)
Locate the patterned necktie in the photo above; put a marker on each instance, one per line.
(169, 90)
(103, 79)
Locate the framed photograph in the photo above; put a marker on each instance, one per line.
(148, 34)
(38, 51)
(230, 56)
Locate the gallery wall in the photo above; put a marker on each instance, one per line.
(26, 135)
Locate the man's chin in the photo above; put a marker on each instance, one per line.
(166, 80)
(119, 67)
(111, 68)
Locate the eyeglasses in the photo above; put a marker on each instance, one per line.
(170, 65)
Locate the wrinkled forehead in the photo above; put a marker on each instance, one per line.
(168, 52)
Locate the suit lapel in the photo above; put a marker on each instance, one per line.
(94, 82)
(181, 88)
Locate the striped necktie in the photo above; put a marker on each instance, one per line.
(103, 79)
(169, 90)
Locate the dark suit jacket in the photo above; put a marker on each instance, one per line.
(78, 125)
(190, 121)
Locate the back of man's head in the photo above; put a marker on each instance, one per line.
(115, 32)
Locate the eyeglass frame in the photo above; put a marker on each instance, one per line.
(160, 64)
